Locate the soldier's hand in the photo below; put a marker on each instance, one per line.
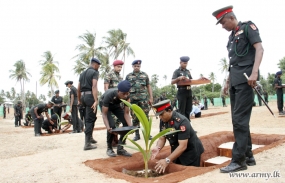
(154, 152)
(150, 101)
(181, 77)
(51, 122)
(226, 89)
(94, 106)
(252, 80)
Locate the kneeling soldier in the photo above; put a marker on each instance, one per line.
(50, 125)
(186, 147)
(110, 103)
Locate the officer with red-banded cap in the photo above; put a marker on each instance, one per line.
(245, 54)
(186, 147)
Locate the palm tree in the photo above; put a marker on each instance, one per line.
(105, 65)
(20, 74)
(87, 51)
(224, 68)
(212, 77)
(49, 71)
(13, 93)
(117, 45)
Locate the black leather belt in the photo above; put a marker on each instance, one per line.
(86, 92)
(184, 88)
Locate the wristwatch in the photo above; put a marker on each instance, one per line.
(167, 160)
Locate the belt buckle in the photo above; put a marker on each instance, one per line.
(188, 87)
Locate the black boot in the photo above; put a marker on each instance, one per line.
(122, 151)
(137, 136)
(250, 161)
(88, 145)
(110, 151)
(93, 141)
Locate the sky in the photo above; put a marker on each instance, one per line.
(159, 32)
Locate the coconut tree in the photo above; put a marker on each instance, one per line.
(224, 69)
(105, 65)
(117, 45)
(20, 74)
(13, 93)
(87, 50)
(212, 77)
(50, 71)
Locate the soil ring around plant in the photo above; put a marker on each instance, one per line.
(175, 173)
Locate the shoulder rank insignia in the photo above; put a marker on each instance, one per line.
(253, 26)
(182, 128)
(177, 119)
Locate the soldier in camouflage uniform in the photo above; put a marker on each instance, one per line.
(112, 80)
(140, 93)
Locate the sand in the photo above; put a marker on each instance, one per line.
(59, 158)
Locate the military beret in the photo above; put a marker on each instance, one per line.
(56, 91)
(161, 106)
(96, 60)
(54, 117)
(220, 13)
(184, 59)
(118, 62)
(124, 86)
(136, 62)
(19, 102)
(68, 82)
(279, 73)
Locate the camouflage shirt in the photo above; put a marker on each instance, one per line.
(112, 78)
(139, 82)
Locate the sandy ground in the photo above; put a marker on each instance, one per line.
(59, 158)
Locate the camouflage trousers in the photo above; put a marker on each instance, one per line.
(145, 107)
(117, 121)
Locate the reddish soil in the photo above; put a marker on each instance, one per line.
(67, 131)
(176, 173)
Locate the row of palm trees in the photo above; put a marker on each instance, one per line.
(115, 46)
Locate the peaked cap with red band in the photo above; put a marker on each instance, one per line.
(161, 106)
(220, 13)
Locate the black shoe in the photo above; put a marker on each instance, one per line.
(92, 141)
(234, 167)
(37, 135)
(123, 152)
(250, 161)
(72, 132)
(80, 131)
(136, 138)
(111, 153)
(89, 147)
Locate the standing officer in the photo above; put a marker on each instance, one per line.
(186, 147)
(88, 96)
(112, 80)
(57, 100)
(279, 92)
(224, 101)
(36, 113)
(17, 114)
(73, 107)
(4, 111)
(140, 93)
(265, 94)
(245, 55)
(184, 93)
(205, 102)
(110, 103)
